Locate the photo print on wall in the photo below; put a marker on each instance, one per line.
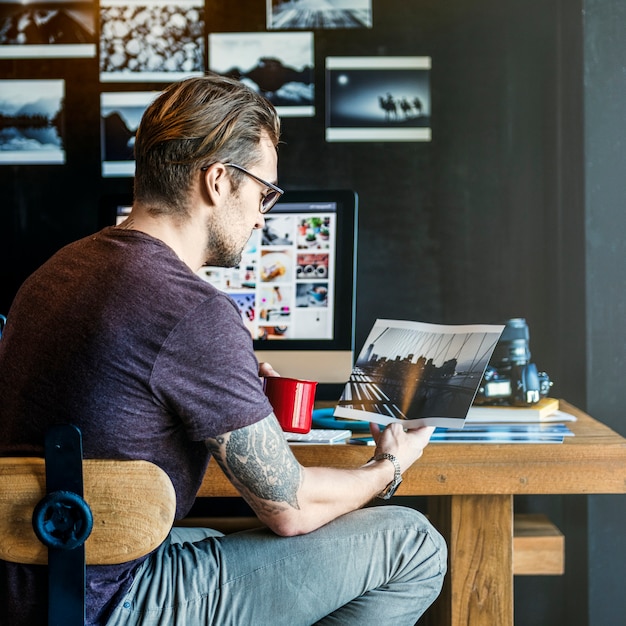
(32, 122)
(120, 114)
(318, 14)
(151, 41)
(277, 65)
(54, 29)
(378, 99)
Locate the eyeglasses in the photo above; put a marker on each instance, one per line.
(271, 197)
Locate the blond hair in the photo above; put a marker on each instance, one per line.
(194, 123)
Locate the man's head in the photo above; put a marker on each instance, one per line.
(193, 124)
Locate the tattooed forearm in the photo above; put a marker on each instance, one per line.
(257, 458)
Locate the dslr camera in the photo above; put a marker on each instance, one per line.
(510, 378)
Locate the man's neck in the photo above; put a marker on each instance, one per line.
(184, 237)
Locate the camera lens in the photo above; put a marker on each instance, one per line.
(513, 347)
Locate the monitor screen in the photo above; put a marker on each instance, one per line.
(295, 285)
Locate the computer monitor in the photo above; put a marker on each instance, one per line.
(295, 285)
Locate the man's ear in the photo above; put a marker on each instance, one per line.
(216, 183)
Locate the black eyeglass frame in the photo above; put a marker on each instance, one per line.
(270, 198)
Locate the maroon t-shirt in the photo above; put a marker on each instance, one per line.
(116, 335)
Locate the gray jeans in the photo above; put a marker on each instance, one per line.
(379, 565)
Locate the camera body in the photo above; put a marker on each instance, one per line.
(511, 378)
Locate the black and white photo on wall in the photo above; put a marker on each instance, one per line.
(120, 114)
(318, 14)
(151, 40)
(378, 98)
(53, 28)
(280, 66)
(32, 122)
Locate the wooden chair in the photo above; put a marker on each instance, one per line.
(130, 511)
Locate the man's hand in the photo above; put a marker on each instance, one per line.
(265, 369)
(406, 445)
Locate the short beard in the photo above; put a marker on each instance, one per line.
(220, 250)
(219, 254)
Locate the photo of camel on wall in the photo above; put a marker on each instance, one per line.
(277, 65)
(378, 99)
(318, 14)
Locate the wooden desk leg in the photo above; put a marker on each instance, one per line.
(478, 590)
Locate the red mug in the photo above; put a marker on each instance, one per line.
(292, 400)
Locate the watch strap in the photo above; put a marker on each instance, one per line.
(390, 489)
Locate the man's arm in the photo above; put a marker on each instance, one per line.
(292, 499)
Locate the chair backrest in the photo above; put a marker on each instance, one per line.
(132, 502)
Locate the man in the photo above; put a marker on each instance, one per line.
(117, 334)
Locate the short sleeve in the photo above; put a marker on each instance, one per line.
(207, 374)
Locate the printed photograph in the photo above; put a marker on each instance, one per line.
(277, 65)
(151, 41)
(50, 28)
(378, 99)
(318, 14)
(32, 122)
(120, 114)
(416, 371)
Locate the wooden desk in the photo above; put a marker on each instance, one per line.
(471, 489)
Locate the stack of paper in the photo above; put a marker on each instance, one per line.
(538, 423)
(503, 433)
(546, 410)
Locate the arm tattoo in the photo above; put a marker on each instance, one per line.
(260, 462)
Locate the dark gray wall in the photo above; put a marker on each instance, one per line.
(513, 209)
(605, 219)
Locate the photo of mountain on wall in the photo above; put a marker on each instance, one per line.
(51, 29)
(120, 114)
(32, 121)
(277, 65)
(37, 23)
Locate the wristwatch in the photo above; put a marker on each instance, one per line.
(390, 489)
